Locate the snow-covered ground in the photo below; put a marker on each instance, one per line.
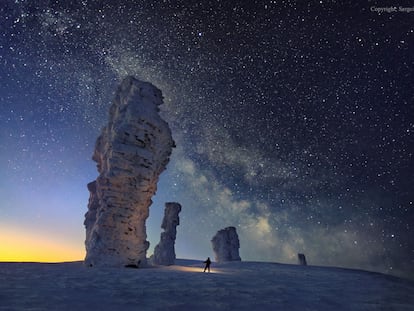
(229, 286)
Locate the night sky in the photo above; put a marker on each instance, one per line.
(293, 122)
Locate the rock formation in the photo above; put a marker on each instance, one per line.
(131, 152)
(302, 259)
(226, 245)
(164, 253)
(90, 216)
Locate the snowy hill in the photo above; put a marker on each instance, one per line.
(229, 286)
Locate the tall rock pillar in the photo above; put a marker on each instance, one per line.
(164, 252)
(131, 152)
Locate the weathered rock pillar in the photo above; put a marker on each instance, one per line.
(226, 245)
(164, 252)
(131, 152)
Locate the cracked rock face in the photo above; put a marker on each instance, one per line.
(226, 245)
(164, 252)
(131, 152)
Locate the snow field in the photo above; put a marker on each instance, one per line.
(230, 286)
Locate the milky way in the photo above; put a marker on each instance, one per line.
(293, 122)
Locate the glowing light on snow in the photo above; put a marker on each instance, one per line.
(193, 269)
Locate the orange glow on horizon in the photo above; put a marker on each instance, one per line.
(18, 246)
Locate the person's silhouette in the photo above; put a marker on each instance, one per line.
(208, 263)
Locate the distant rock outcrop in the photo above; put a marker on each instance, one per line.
(302, 259)
(164, 252)
(226, 245)
(131, 152)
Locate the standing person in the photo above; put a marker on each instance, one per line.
(208, 263)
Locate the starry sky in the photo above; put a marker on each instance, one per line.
(293, 122)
